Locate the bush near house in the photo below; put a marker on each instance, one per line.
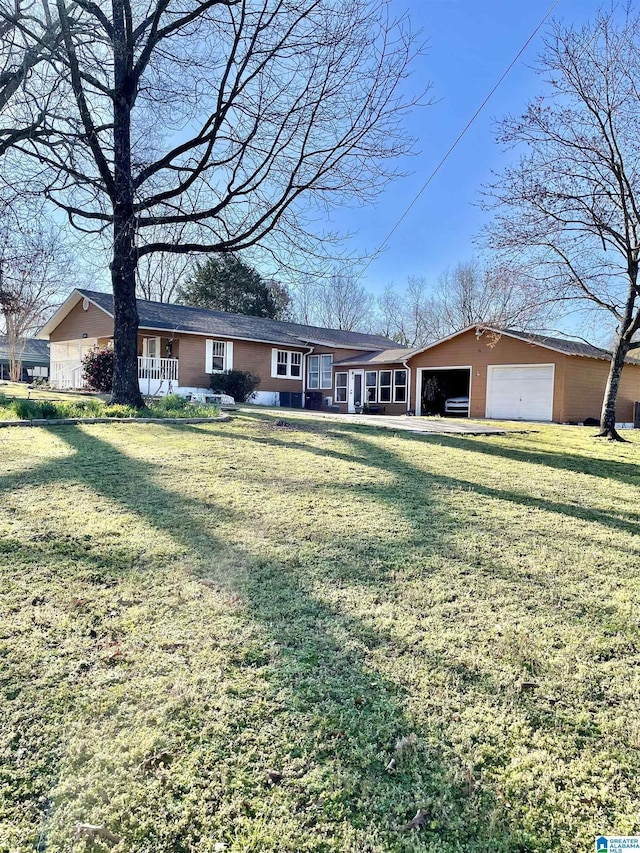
(97, 369)
(239, 384)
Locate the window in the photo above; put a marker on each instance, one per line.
(370, 384)
(286, 364)
(219, 356)
(385, 386)
(282, 363)
(319, 374)
(326, 370)
(313, 378)
(400, 386)
(341, 387)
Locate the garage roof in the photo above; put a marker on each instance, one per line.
(563, 345)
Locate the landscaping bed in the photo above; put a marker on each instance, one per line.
(94, 409)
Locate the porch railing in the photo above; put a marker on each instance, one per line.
(66, 374)
(158, 369)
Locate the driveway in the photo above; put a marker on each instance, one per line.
(402, 422)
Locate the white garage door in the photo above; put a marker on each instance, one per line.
(520, 392)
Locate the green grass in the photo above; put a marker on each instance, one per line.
(46, 405)
(362, 587)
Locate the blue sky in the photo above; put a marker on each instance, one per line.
(471, 45)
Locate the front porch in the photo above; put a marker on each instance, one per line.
(156, 376)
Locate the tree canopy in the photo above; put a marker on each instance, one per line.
(226, 283)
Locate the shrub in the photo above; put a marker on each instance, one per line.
(170, 403)
(239, 384)
(26, 410)
(97, 369)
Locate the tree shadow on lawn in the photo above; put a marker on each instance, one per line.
(373, 457)
(342, 715)
(626, 472)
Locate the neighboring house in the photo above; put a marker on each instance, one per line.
(35, 359)
(492, 373)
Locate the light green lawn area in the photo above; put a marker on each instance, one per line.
(476, 596)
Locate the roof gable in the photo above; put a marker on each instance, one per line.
(561, 345)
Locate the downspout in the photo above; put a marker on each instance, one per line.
(408, 369)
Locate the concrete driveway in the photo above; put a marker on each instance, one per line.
(402, 422)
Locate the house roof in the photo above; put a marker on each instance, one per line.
(35, 351)
(162, 316)
(394, 355)
(562, 345)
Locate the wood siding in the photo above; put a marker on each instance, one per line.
(92, 323)
(247, 355)
(480, 352)
(584, 390)
(579, 382)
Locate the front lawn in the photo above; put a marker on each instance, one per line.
(270, 635)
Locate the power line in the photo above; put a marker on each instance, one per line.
(459, 137)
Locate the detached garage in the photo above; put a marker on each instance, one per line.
(522, 376)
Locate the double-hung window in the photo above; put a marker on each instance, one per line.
(400, 386)
(341, 387)
(286, 364)
(385, 386)
(319, 372)
(370, 386)
(218, 356)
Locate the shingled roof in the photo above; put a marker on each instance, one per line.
(161, 316)
(564, 345)
(35, 351)
(392, 355)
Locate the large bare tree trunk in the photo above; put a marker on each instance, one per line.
(608, 415)
(126, 388)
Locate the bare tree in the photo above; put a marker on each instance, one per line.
(469, 293)
(409, 316)
(32, 264)
(570, 208)
(495, 295)
(160, 275)
(234, 119)
(339, 302)
(29, 37)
